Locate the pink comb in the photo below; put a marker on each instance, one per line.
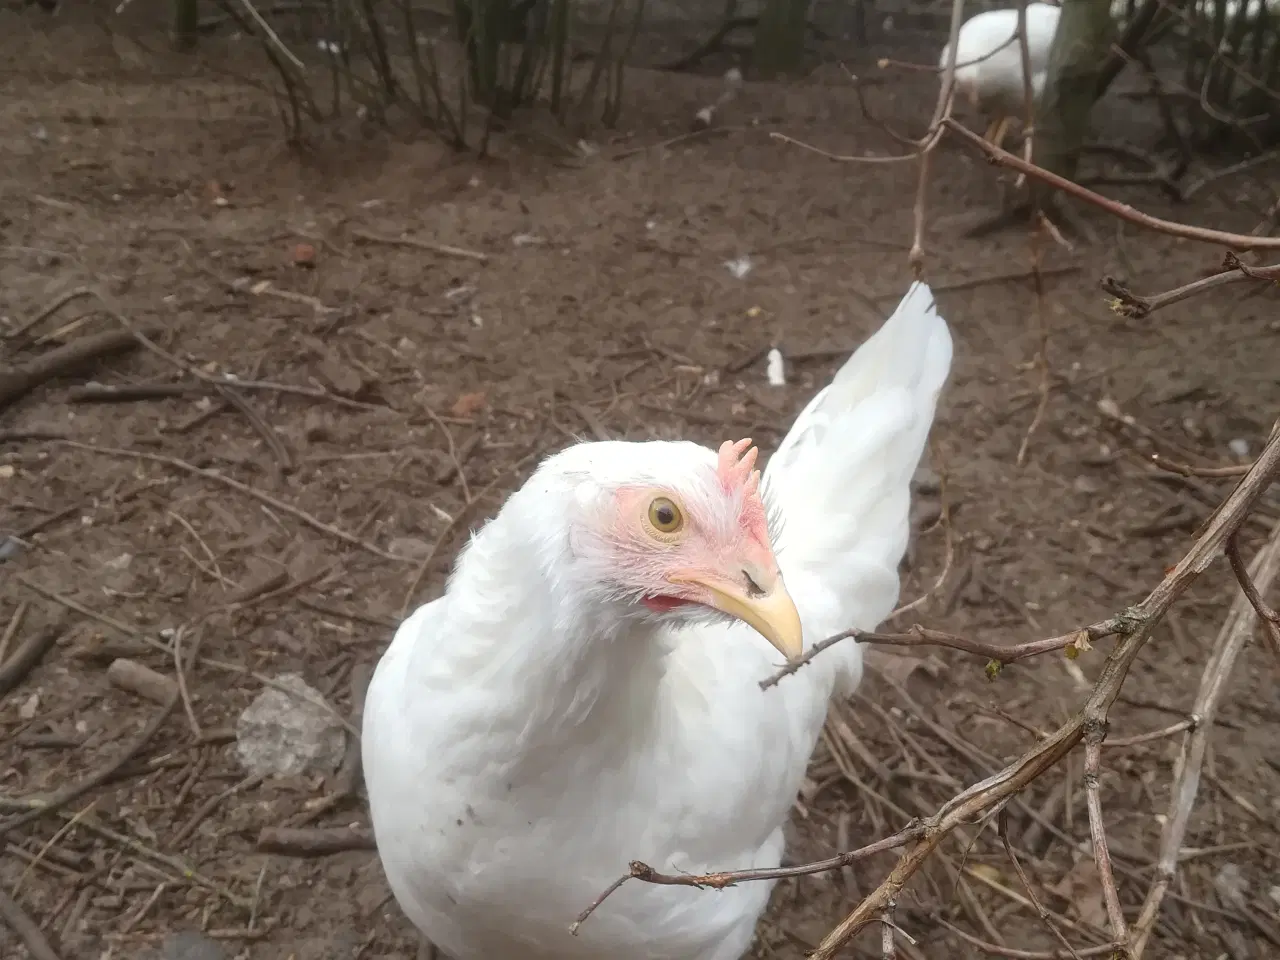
(736, 468)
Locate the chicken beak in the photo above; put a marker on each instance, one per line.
(771, 613)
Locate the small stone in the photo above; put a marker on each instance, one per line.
(1231, 886)
(10, 547)
(411, 548)
(304, 255)
(189, 945)
(289, 733)
(316, 427)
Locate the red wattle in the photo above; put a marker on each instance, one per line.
(662, 604)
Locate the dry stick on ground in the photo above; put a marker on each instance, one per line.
(1186, 470)
(15, 624)
(25, 929)
(72, 792)
(57, 304)
(1235, 633)
(69, 358)
(14, 670)
(458, 253)
(1236, 241)
(276, 504)
(284, 460)
(1135, 627)
(319, 842)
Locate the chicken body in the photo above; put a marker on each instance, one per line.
(989, 62)
(528, 734)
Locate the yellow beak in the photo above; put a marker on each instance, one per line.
(772, 614)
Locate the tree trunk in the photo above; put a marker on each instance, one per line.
(779, 41)
(1075, 64)
(186, 24)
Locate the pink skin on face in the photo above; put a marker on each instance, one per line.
(711, 545)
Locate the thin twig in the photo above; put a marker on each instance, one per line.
(15, 621)
(912, 832)
(1000, 655)
(1002, 830)
(1130, 304)
(1235, 633)
(1269, 618)
(319, 842)
(444, 249)
(1094, 733)
(1236, 241)
(276, 504)
(1187, 470)
(14, 670)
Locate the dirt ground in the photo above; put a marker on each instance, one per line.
(281, 529)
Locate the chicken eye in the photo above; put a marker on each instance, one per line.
(665, 516)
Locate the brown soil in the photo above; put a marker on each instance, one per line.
(604, 306)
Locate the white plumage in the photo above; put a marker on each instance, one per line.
(535, 728)
(989, 62)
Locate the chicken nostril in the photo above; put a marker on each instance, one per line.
(754, 590)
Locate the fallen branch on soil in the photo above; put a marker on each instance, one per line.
(275, 503)
(37, 807)
(1236, 241)
(318, 842)
(444, 249)
(54, 306)
(25, 929)
(60, 362)
(15, 624)
(14, 670)
(1187, 470)
(1134, 627)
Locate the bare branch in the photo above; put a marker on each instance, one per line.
(1095, 732)
(1002, 829)
(1133, 305)
(1141, 621)
(718, 881)
(1231, 639)
(999, 655)
(1236, 241)
(1269, 618)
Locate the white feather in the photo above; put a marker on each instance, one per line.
(525, 738)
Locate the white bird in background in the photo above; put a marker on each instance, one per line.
(586, 692)
(989, 62)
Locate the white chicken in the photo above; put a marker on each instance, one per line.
(586, 692)
(989, 62)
